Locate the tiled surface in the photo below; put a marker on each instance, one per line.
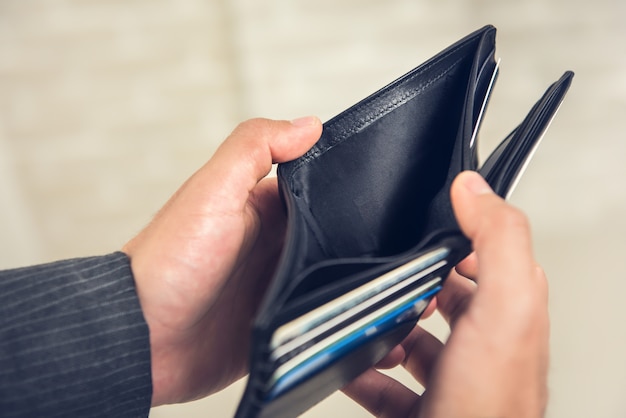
(107, 106)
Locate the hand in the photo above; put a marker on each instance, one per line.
(495, 361)
(202, 265)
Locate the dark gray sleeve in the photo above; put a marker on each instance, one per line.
(73, 341)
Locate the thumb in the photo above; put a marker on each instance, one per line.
(246, 156)
(254, 145)
(500, 233)
(270, 141)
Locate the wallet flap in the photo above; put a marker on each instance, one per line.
(508, 161)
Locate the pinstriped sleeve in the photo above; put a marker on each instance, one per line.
(73, 341)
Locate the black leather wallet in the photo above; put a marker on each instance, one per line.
(371, 234)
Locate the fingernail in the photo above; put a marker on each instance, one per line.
(306, 121)
(475, 183)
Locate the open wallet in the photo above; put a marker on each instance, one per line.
(371, 235)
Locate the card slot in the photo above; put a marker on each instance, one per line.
(301, 303)
(337, 276)
(331, 278)
(300, 397)
(327, 274)
(484, 84)
(423, 286)
(405, 308)
(347, 297)
(508, 161)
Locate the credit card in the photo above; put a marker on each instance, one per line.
(320, 319)
(405, 308)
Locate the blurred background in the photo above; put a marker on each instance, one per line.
(107, 106)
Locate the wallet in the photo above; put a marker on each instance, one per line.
(371, 235)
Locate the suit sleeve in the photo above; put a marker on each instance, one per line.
(73, 341)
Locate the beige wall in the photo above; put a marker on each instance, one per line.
(107, 106)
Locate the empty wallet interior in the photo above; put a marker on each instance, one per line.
(373, 194)
(376, 184)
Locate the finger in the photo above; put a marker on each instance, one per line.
(499, 232)
(269, 221)
(250, 150)
(455, 297)
(246, 156)
(268, 141)
(422, 349)
(397, 355)
(430, 309)
(468, 267)
(264, 199)
(382, 396)
(393, 359)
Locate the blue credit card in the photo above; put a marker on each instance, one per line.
(405, 308)
(305, 329)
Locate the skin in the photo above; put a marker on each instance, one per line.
(495, 361)
(209, 254)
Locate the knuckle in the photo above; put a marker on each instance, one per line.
(381, 404)
(258, 132)
(252, 124)
(509, 217)
(254, 132)
(256, 128)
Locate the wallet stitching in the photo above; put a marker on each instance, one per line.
(395, 103)
(375, 115)
(407, 96)
(372, 117)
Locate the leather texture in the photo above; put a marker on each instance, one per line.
(373, 194)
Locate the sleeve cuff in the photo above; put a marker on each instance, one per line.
(73, 340)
